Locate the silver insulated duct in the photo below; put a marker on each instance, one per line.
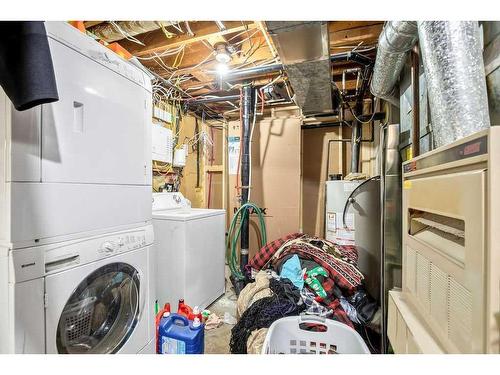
(456, 84)
(395, 41)
(111, 32)
(304, 50)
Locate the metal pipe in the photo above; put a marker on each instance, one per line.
(355, 144)
(356, 129)
(351, 56)
(376, 117)
(383, 322)
(227, 98)
(272, 68)
(415, 82)
(456, 84)
(248, 73)
(247, 110)
(395, 41)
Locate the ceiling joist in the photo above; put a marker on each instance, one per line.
(156, 41)
(195, 63)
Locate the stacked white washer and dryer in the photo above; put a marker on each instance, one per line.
(76, 261)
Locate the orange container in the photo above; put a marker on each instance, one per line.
(79, 25)
(119, 50)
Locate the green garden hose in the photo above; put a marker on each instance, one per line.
(232, 239)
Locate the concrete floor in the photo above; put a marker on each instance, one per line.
(217, 340)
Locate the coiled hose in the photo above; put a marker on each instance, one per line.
(232, 238)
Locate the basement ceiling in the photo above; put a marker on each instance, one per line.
(183, 51)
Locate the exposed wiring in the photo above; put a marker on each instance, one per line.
(356, 117)
(168, 52)
(246, 39)
(125, 34)
(189, 31)
(176, 25)
(167, 33)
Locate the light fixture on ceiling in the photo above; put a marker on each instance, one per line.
(222, 54)
(222, 69)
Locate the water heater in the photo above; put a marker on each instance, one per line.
(353, 218)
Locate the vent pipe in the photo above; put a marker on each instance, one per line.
(456, 84)
(396, 40)
(247, 114)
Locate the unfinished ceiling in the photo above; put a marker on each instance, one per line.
(182, 52)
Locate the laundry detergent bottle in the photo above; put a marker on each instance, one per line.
(178, 335)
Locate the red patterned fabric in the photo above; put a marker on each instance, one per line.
(339, 314)
(340, 261)
(344, 274)
(264, 255)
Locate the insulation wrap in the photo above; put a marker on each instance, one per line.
(454, 70)
(396, 39)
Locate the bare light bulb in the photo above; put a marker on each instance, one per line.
(222, 69)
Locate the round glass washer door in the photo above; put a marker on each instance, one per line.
(102, 312)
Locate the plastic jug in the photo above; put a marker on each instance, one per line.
(162, 313)
(177, 335)
(185, 310)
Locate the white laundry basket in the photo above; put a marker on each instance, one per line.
(293, 335)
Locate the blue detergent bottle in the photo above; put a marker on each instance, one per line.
(178, 335)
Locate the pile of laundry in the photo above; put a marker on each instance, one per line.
(301, 274)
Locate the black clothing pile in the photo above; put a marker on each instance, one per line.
(285, 301)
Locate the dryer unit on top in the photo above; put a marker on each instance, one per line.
(83, 163)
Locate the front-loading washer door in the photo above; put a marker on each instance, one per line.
(100, 313)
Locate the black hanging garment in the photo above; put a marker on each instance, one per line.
(26, 70)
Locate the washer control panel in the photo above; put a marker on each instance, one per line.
(122, 243)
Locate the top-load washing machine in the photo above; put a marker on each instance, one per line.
(190, 247)
(81, 165)
(92, 295)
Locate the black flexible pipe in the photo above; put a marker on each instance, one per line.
(245, 169)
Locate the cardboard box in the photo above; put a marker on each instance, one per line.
(276, 175)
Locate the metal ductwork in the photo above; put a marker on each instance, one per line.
(456, 84)
(111, 33)
(395, 41)
(303, 48)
